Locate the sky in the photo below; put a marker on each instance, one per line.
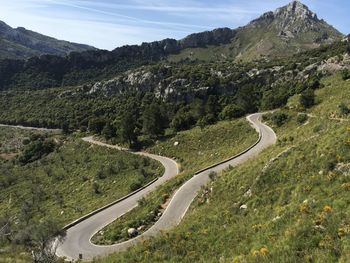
(108, 24)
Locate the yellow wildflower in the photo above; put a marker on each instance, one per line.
(327, 209)
(264, 251)
(256, 253)
(346, 186)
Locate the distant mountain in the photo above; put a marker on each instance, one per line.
(20, 43)
(292, 28)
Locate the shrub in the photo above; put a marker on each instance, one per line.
(345, 74)
(307, 98)
(343, 109)
(96, 188)
(279, 118)
(231, 111)
(36, 150)
(302, 118)
(135, 185)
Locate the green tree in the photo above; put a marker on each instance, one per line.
(108, 131)
(152, 120)
(182, 120)
(231, 111)
(38, 238)
(307, 98)
(127, 129)
(212, 106)
(96, 125)
(279, 118)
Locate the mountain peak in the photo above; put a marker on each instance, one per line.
(295, 9)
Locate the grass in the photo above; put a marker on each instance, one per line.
(196, 149)
(71, 181)
(298, 203)
(11, 141)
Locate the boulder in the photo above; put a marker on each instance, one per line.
(243, 207)
(132, 232)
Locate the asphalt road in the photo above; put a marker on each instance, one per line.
(30, 128)
(78, 238)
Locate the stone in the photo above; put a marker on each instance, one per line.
(248, 194)
(276, 219)
(140, 228)
(243, 207)
(132, 232)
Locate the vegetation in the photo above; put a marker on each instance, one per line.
(194, 149)
(187, 110)
(48, 180)
(304, 217)
(307, 98)
(13, 140)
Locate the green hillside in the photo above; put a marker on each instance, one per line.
(52, 180)
(297, 197)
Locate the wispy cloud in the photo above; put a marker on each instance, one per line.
(82, 5)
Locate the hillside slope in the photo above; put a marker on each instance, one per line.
(293, 27)
(20, 43)
(291, 204)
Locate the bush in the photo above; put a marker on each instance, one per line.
(307, 98)
(96, 188)
(231, 111)
(302, 118)
(135, 186)
(279, 118)
(36, 150)
(343, 109)
(345, 74)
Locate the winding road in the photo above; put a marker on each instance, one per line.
(80, 232)
(78, 238)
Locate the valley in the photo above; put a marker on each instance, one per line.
(229, 145)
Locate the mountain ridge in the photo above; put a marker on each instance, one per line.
(268, 36)
(293, 27)
(21, 43)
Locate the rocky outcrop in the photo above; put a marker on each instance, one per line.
(296, 19)
(215, 37)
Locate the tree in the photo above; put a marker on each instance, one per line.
(96, 125)
(182, 120)
(36, 150)
(279, 118)
(307, 98)
(39, 239)
(127, 129)
(65, 128)
(108, 131)
(231, 111)
(275, 98)
(152, 120)
(212, 106)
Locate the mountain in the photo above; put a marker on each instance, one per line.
(20, 43)
(293, 27)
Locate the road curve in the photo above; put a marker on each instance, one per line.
(78, 238)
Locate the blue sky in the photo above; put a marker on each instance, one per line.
(109, 24)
